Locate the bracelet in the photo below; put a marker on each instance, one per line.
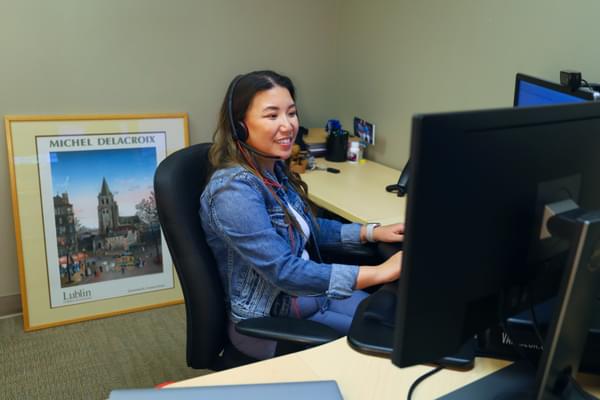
(370, 229)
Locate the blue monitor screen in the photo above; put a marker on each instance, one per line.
(531, 94)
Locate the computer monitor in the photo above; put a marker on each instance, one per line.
(480, 184)
(530, 91)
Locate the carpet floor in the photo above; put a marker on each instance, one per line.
(87, 360)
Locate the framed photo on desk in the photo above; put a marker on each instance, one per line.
(88, 240)
(364, 130)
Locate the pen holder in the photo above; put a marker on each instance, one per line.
(337, 146)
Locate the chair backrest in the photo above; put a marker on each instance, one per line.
(178, 182)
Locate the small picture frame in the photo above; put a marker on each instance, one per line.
(365, 131)
(89, 244)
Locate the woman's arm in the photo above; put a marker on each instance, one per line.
(238, 215)
(330, 231)
(387, 272)
(386, 233)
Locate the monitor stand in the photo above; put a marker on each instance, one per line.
(515, 382)
(553, 378)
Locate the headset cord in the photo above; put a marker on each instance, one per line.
(421, 379)
(270, 184)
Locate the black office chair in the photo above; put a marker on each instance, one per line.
(178, 182)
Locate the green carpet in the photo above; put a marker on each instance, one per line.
(89, 359)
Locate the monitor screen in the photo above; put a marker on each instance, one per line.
(530, 91)
(479, 183)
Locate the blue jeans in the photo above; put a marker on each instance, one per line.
(335, 313)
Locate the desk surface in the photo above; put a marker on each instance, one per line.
(359, 376)
(357, 193)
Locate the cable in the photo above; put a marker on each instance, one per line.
(421, 379)
(586, 84)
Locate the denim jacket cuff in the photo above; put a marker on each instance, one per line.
(350, 233)
(342, 281)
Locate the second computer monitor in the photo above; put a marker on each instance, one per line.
(530, 91)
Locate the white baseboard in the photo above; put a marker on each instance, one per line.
(10, 305)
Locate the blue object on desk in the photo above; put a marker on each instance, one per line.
(333, 126)
(326, 390)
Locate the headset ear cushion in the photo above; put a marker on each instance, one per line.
(241, 132)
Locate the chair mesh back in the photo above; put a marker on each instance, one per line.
(178, 182)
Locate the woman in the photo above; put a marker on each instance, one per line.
(260, 228)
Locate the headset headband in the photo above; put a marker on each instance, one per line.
(238, 130)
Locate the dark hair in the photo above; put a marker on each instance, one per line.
(226, 153)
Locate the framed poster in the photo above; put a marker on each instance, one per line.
(89, 243)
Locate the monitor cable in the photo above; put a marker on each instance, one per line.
(594, 88)
(587, 84)
(421, 379)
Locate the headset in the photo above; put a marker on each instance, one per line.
(238, 129)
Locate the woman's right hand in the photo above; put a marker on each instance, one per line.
(386, 272)
(390, 270)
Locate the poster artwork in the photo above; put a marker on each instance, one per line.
(101, 229)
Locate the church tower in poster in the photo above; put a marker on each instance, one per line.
(108, 210)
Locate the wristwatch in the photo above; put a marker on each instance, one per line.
(370, 228)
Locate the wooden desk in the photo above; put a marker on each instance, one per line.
(360, 377)
(357, 193)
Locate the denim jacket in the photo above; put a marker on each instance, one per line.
(259, 265)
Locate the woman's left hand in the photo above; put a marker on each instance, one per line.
(389, 233)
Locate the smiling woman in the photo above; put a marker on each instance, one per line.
(260, 228)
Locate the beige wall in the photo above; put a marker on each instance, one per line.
(381, 60)
(142, 56)
(405, 57)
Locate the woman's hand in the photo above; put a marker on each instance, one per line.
(389, 233)
(390, 269)
(387, 272)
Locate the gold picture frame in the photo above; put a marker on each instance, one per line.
(88, 241)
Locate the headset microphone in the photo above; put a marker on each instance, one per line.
(260, 153)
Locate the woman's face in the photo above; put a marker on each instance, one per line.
(272, 122)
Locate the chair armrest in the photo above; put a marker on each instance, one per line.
(293, 330)
(351, 253)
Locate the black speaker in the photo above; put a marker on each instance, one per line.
(337, 146)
